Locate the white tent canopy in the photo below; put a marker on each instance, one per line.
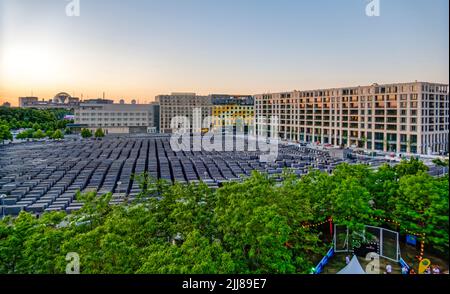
(352, 268)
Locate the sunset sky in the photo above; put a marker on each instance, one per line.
(139, 49)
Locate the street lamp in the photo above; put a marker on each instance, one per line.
(3, 196)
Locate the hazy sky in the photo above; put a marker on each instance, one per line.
(140, 48)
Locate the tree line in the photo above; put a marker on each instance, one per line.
(38, 123)
(253, 226)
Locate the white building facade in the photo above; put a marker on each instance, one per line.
(401, 117)
(118, 118)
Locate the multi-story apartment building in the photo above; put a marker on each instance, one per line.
(181, 105)
(402, 117)
(118, 118)
(225, 109)
(228, 108)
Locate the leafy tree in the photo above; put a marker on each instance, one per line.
(421, 205)
(39, 134)
(253, 226)
(99, 133)
(43, 119)
(49, 133)
(12, 239)
(5, 134)
(383, 185)
(57, 135)
(86, 133)
(25, 134)
(197, 255)
(41, 249)
(411, 167)
(22, 135)
(94, 206)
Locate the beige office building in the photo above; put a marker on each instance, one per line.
(181, 105)
(118, 118)
(401, 117)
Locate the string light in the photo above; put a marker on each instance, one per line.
(422, 235)
(308, 225)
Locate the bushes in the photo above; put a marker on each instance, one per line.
(34, 120)
(39, 134)
(57, 135)
(27, 134)
(99, 133)
(86, 133)
(5, 134)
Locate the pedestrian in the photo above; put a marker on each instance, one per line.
(388, 269)
(373, 264)
(436, 270)
(428, 271)
(405, 270)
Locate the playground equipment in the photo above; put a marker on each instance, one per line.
(383, 242)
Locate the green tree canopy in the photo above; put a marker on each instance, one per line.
(5, 133)
(25, 134)
(86, 133)
(99, 133)
(39, 134)
(254, 226)
(57, 135)
(44, 119)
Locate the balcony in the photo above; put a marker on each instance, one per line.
(391, 127)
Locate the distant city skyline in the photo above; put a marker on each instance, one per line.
(140, 49)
